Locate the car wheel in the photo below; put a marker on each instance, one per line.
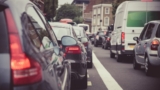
(119, 57)
(83, 82)
(136, 66)
(90, 65)
(148, 68)
(102, 46)
(112, 55)
(106, 46)
(95, 44)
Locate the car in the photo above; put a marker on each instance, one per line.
(85, 26)
(86, 42)
(145, 51)
(106, 40)
(76, 53)
(30, 57)
(98, 38)
(130, 18)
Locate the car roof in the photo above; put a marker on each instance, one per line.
(62, 25)
(155, 21)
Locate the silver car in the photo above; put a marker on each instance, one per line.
(145, 51)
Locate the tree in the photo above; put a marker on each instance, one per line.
(69, 11)
(50, 7)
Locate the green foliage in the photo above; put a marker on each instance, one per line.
(68, 11)
(78, 20)
(50, 7)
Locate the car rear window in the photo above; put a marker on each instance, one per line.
(4, 45)
(139, 18)
(60, 32)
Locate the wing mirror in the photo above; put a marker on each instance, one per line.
(136, 39)
(84, 39)
(68, 41)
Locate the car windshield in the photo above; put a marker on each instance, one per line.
(101, 33)
(60, 32)
(139, 18)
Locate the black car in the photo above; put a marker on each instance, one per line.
(99, 38)
(76, 53)
(106, 40)
(30, 57)
(86, 42)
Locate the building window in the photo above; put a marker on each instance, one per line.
(98, 20)
(99, 10)
(106, 21)
(107, 10)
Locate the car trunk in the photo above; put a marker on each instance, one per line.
(5, 71)
(129, 34)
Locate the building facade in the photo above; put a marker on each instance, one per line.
(101, 17)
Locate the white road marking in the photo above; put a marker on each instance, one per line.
(106, 77)
(65, 78)
(87, 75)
(89, 83)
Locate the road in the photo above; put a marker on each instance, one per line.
(108, 74)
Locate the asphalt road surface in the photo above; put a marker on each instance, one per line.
(108, 74)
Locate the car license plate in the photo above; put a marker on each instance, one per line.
(131, 46)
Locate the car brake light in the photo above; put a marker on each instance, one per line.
(73, 50)
(155, 44)
(122, 37)
(97, 37)
(85, 44)
(108, 39)
(24, 70)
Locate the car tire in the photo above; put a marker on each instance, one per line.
(119, 58)
(148, 68)
(83, 82)
(102, 46)
(136, 66)
(112, 55)
(95, 44)
(90, 65)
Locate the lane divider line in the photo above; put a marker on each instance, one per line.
(89, 83)
(87, 75)
(106, 77)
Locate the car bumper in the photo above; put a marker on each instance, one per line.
(78, 71)
(154, 60)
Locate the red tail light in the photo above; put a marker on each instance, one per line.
(85, 44)
(122, 37)
(155, 44)
(73, 50)
(24, 70)
(108, 39)
(97, 37)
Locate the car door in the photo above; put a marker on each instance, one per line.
(47, 48)
(62, 67)
(146, 40)
(139, 46)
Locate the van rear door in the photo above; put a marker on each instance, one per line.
(5, 71)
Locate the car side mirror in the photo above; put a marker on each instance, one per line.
(68, 41)
(136, 39)
(84, 40)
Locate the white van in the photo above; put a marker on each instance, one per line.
(130, 19)
(84, 26)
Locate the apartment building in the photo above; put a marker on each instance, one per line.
(101, 17)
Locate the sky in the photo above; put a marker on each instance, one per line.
(61, 2)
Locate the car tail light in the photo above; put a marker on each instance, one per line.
(85, 44)
(97, 37)
(73, 50)
(108, 39)
(154, 44)
(24, 70)
(122, 37)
